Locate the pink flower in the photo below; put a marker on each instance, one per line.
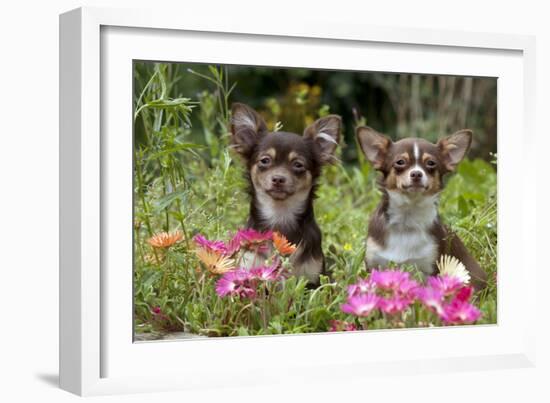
(389, 279)
(394, 291)
(217, 247)
(349, 327)
(341, 326)
(233, 245)
(238, 282)
(394, 304)
(363, 286)
(361, 305)
(460, 312)
(252, 236)
(268, 273)
(448, 285)
(158, 315)
(407, 288)
(431, 298)
(251, 239)
(265, 273)
(464, 294)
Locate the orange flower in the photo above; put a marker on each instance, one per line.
(165, 239)
(216, 264)
(283, 246)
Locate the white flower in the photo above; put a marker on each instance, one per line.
(451, 266)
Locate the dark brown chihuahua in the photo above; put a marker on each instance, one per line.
(406, 228)
(282, 170)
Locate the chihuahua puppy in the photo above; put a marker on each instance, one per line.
(282, 171)
(406, 228)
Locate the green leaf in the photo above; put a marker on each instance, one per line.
(242, 331)
(170, 103)
(176, 148)
(167, 200)
(150, 278)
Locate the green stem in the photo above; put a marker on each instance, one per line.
(178, 204)
(226, 95)
(138, 243)
(164, 276)
(238, 316)
(264, 310)
(141, 194)
(137, 107)
(166, 210)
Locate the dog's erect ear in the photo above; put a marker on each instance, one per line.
(325, 132)
(375, 145)
(247, 126)
(453, 148)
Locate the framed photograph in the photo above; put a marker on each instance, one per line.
(323, 197)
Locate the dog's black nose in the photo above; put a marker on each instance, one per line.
(278, 180)
(416, 175)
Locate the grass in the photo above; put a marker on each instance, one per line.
(186, 179)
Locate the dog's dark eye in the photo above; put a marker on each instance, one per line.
(431, 164)
(265, 161)
(400, 163)
(297, 165)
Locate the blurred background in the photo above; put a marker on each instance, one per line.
(399, 105)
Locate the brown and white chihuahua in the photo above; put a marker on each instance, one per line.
(282, 171)
(406, 227)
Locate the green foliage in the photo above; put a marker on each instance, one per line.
(186, 179)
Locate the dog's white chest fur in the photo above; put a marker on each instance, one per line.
(281, 214)
(408, 238)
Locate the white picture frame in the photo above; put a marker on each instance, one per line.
(97, 353)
